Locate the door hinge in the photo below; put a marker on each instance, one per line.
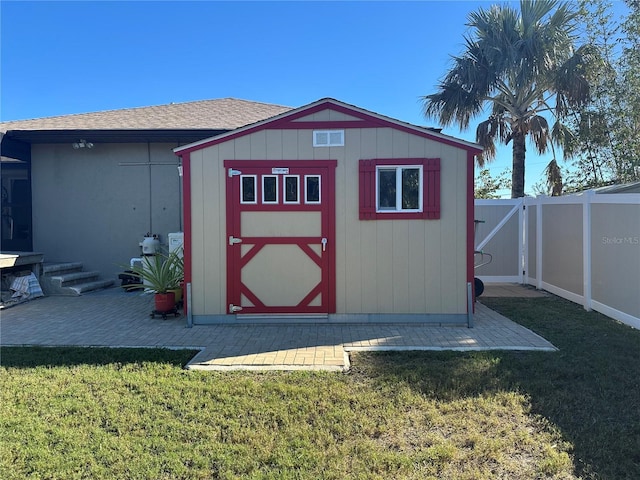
(233, 173)
(233, 240)
(234, 308)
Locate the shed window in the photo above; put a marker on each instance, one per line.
(248, 189)
(400, 188)
(269, 189)
(291, 189)
(312, 189)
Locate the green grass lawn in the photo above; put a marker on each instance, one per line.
(135, 413)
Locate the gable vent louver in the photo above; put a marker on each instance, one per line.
(328, 138)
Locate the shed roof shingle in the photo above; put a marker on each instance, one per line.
(223, 114)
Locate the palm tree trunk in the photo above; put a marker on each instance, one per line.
(517, 171)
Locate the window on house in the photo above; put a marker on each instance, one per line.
(400, 188)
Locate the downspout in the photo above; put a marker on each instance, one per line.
(150, 188)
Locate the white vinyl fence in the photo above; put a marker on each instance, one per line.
(584, 247)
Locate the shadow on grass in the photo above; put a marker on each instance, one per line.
(30, 357)
(589, 389)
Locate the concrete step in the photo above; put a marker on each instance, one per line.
(81, 288)
(61, 268)
(68, 278)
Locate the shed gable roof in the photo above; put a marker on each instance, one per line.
(348, 116)
(217, 114)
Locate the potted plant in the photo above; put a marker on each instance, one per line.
(178, 265)
(162, 274)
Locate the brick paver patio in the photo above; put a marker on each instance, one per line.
(114, 318)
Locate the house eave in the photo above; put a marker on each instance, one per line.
(180, 136)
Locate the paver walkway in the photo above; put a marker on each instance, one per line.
(113, 318)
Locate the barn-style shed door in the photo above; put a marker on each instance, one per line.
(280, 237)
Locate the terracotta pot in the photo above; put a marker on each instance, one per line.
(165, 302)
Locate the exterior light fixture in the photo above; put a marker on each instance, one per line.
(82, 144)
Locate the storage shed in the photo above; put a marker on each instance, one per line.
(329, 212)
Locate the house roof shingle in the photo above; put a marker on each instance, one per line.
(222, 114)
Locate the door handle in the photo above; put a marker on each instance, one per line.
(324, 244)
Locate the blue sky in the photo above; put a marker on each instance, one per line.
(61, 58)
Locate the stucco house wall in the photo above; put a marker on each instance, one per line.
(95, 205)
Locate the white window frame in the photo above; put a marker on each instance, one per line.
(328, 133)
(306, 200)
(255, 187)
(284, 190)
(399, 169)
(270, 202)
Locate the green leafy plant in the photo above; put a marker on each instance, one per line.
(160, 273)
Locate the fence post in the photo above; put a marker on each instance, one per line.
(539, 242)
(587, 200)
(525, 241)
(521, 240)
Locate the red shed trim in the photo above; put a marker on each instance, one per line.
(186, 215)
(366, 119)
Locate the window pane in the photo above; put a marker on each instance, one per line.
(387, 189)
(269, 189)
(248, 189)
(291, 189)
(322, 138)
(312, 189)
(335, 138)
(410, 188)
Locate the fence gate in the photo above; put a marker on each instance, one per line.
(500, 233)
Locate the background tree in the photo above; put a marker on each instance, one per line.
(521, 66)
(603, 136)
(625, 112)
(486, 186)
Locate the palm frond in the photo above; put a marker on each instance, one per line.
(488, 132)
(563, 136)
(571, 79)
(538, 129)
(553, 176)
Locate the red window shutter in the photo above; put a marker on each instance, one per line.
(431, 192)
(367, 189)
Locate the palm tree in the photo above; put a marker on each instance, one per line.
(520, 66)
